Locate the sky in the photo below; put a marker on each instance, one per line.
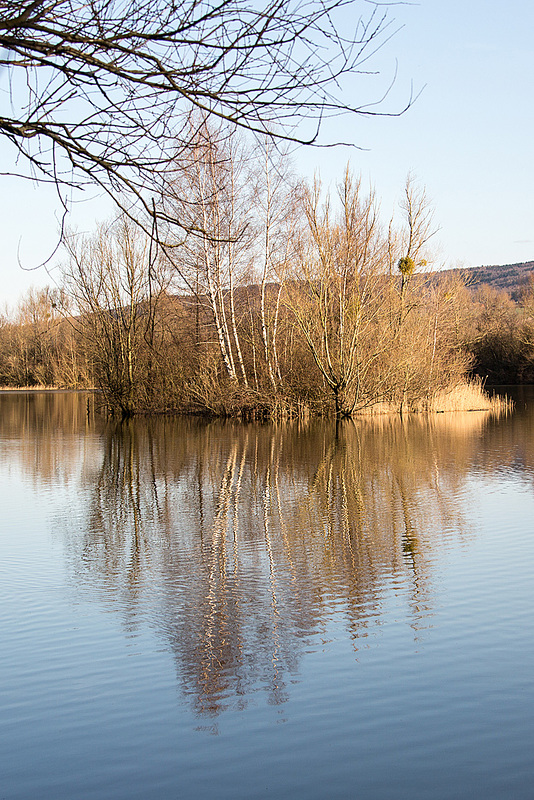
(467, 138)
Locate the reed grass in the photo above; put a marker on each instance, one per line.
(34, 388)
(469, 396)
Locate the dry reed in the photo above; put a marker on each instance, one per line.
(469, 396)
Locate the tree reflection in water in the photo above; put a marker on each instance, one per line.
(249, 536)
(239, 542)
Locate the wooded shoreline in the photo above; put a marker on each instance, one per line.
(468, 397)
(280, 300)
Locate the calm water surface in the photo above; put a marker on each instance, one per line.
(193, 610)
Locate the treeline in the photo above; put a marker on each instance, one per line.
(501, 334)
(513, 278)
(276, 299)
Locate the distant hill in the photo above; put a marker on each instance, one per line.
(508, 277)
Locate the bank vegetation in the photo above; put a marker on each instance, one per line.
(277, 299)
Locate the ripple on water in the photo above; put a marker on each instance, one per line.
(341, 621)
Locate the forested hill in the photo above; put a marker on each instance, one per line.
(510, 277)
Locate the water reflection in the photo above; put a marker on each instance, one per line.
(47, 433)
(238, 542)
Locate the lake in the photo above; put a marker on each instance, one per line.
(195, 609)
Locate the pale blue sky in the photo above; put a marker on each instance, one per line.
(467, 138)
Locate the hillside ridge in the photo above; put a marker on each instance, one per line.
(507, 277)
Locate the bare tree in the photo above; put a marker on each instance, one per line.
(411, 339)
(419, 228)
(117, 289)
(102, 92)
(277, 207)
(210, 198)
(34, 348)
(339, 297)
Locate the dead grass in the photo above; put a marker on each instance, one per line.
(29, 389)
(377, 410)
(468, 396)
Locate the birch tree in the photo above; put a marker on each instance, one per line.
(278, 221)
(210, 197)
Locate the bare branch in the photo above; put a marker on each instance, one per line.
(102, 92)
